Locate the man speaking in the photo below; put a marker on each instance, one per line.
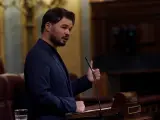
(49, 88)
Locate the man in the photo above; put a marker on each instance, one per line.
(50, 91)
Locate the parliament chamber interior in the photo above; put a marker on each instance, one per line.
(126, 48)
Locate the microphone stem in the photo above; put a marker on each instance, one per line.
(96, 90)
(97, 95)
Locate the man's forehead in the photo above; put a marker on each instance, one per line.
(66, 21)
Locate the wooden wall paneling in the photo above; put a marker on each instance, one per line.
(97, 36)
(24, 36)
(99, 48)
(102, 86)
(2, 52)
(29, 28)
(143, 14)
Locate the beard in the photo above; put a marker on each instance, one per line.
(56, 42)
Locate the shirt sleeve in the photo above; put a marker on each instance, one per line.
(80, 85)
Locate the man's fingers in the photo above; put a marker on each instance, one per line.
(97, 74)
(91, 63)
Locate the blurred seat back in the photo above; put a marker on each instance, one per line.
(6, 112)
(12, 95)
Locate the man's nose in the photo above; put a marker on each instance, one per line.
(67, 32)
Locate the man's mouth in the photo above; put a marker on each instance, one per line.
(65, 38)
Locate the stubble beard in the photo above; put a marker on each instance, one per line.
(56, 42)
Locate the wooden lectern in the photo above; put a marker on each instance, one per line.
(125, 106)
(94, 113)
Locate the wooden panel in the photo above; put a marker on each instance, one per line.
(2, 34)
(101, 86)
(24, 36)
(117, 9)
(29, 28)
(142, 17)
(99, 36)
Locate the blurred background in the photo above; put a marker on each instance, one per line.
(120, 36)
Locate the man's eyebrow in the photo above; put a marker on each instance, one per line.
(64, 25)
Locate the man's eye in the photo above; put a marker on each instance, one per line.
(64, 27)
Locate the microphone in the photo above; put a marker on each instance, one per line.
(94, 77)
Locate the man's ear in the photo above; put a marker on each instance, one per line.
(48, 27)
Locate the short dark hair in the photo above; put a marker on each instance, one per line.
(54, 15)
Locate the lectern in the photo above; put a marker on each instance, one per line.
(94, 113)
(125, 106)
